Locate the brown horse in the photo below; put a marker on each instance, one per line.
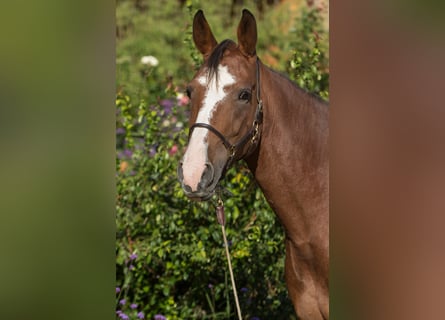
(241, 109)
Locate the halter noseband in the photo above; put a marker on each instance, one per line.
(252, 135)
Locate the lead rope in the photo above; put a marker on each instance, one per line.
(220, 204)
(222, 221)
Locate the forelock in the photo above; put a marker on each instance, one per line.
(216, 57)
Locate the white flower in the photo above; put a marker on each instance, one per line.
(150, 60)
(179, 124)
(166, 123)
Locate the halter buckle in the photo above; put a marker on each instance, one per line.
(232, 151)
(254, 138)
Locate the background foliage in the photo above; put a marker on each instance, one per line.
(169, 251)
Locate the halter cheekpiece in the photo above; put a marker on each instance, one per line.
(252, 135)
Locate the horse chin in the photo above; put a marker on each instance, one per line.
(198, 197)
(202, 195)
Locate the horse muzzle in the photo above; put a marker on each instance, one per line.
(206, 186)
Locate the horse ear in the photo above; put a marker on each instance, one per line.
(202, 35)
(247, 33)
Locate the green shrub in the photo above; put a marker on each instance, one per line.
(170, 259)
(180, 269)
(309, 65)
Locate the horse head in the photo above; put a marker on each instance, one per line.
(226, 110)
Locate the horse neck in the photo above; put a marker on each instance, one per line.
(291, 161)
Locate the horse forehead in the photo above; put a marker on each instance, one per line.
(219, 80)
(213, 91)
(238, 65)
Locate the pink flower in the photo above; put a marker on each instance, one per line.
(183, 100)
(173, 150)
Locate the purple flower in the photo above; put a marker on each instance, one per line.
(159, 317)
(118, 289)
(120, 131)
(244, 290)
(140, 315)
(255, 318)
(167, 104)
(133, 256)
(133, 306)
(123, 316)
(123, 301)
(128, 153)
(131, 267)
(210, 286)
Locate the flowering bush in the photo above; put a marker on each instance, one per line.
(170, 259)
(170, 254)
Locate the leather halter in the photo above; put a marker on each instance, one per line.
(252, 135)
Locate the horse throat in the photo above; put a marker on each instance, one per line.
(290, 163)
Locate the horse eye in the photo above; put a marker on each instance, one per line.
(188, 91)
(244, 95)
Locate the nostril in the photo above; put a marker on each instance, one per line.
(203, 184)
(180, 172)
(209, 167)
(207, 175)
(186, 187)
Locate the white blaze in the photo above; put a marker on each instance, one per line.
(196, 154)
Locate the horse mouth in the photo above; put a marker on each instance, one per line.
(199, 196)
(202, 194)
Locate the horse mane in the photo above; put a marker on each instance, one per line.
(216, 56)
(300, 89)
